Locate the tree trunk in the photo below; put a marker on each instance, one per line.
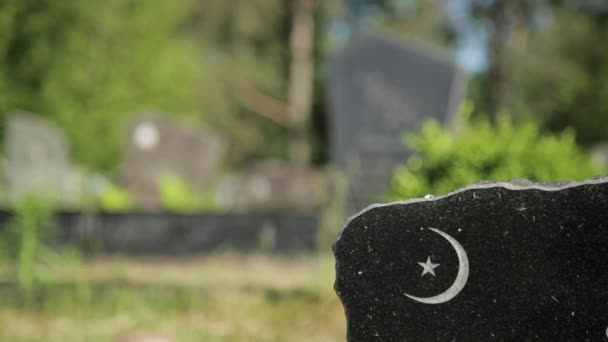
(503, 16)
(300, 86)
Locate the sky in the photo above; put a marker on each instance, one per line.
(470, 48)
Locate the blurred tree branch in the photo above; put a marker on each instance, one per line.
(250, 96)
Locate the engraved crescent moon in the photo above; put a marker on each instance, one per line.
(461, 277)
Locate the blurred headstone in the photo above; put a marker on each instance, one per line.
(506, 261)
(269, 185)
(38, 160)
(158, 147)
(381, 88)
(599, 153)
(144, 336)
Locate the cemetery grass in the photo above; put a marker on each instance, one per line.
(223, 297)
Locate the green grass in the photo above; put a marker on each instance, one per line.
(215, 298)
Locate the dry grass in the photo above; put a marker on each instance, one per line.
(213, 298)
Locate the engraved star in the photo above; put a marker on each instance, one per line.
(428, 267)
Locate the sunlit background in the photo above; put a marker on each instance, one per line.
(178, 170)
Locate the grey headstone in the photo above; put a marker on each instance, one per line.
(38, 160)
(599, 153)
(381, 88)
(490, 262)
(271, 186)
(157, 147)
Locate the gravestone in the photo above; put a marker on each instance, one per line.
(158, 147)
(381, 88)
(275, 186)
(489, 262)
(599, 153)
(38, 160)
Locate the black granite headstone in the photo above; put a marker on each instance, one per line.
(490, 262)
(381, 88)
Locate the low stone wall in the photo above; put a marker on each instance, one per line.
(149, 233)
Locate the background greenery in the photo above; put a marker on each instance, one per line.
(89, 66)
(445, 161)
(221, 297)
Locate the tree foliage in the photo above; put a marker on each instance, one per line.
(546, 62)
(563, 79)
(89, 65)
(246, 51)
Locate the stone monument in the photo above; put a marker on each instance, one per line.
(158, 147)
(275, 186)
(490, 262)
(38, 160)
(599, 153)
(381, 88)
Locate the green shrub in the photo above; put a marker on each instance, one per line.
(25, 241)
(115, 199)
(177, 195)
(445, 161)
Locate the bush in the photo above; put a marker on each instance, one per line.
(178, 196)
(25, 241)
(116, 199)
(444, 161)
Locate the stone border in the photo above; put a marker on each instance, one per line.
(158, 233)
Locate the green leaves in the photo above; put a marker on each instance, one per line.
(178, 196)
(25, 240)
(478, 151)
(562, 79)
(91, 65)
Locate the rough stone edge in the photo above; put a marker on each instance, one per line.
(513, 184)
